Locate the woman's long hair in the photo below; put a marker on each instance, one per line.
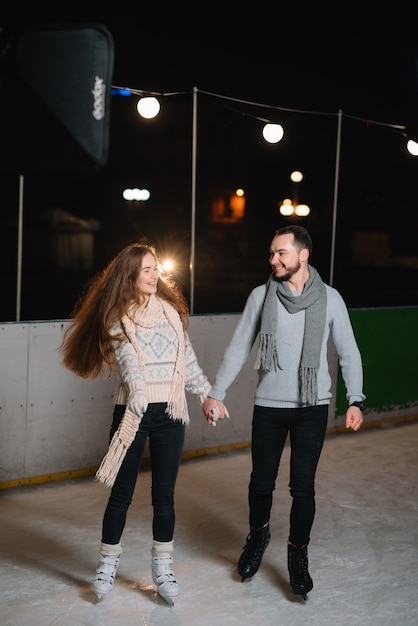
(88, 346)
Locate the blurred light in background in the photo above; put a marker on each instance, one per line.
(136, 194)
(296, 176)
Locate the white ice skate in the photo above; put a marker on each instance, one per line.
(164, 578)
(105, 575)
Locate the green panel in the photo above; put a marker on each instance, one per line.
(388, 342)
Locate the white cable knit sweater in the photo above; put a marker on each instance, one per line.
(150, 368)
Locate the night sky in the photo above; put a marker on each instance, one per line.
(303, 66)
(360, 61)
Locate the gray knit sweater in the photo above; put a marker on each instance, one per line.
(281, 388)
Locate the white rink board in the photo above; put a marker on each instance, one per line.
(52, 421)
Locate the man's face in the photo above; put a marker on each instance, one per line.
(284, 257)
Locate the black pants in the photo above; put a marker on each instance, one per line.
(306, 427)
(166, 440)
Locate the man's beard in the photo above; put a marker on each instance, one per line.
(290, 272)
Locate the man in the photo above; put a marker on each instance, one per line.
(293, 314)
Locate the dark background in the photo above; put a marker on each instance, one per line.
(299, 67)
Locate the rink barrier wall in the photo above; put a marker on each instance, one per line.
(55, 425)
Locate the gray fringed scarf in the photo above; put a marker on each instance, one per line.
(314, 300)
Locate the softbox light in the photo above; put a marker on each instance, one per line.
(55, 109)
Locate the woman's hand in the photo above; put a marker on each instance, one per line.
(214, 410)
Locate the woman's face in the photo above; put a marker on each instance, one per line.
(148, 276)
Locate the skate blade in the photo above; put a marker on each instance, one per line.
(304, 596)
(169, 600)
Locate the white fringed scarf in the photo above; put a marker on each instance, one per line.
(313, 300)
(177, 404)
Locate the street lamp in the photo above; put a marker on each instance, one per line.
(292, 207)
(287, 208)
(136, 194)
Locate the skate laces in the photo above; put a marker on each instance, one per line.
(300, 565)
(256, 544)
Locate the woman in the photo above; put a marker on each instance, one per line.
(134, 323)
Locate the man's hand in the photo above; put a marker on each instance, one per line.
(209, 405)
(353, 418)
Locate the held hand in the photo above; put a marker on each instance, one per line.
(353, 418)
(214, 410)
(216, 414)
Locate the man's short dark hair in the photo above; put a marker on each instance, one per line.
(301, 236)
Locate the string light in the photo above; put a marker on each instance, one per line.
(273, 133)
(148, 107)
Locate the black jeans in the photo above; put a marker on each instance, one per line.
(306, 427)
(166, 440)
